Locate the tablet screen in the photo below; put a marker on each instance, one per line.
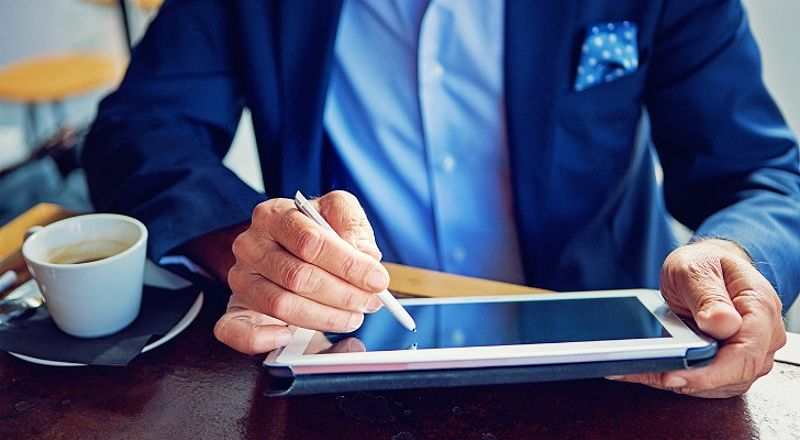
(506, 323)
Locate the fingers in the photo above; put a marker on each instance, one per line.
(344, 213)
(266, 297)
(314, 283)
(290, 270)
(727, 376)
(319, 343)
(753, 295)
(743, 358)
(692, 280)
(743, 280)
(731, 373)
(729, 300)
(251, 332)
(349, 345)
(656, 380)
(300, 236)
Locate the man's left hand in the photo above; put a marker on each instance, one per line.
(714, 282)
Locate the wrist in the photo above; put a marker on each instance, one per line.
(212, 251)
(726, 245)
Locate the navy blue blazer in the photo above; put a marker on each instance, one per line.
(589, 211)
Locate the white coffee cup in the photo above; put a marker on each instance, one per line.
(94, 298)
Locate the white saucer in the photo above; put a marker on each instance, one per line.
(155, 276)
(187, 319)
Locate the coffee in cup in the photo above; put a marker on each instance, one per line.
(90, 270)
(87, 251)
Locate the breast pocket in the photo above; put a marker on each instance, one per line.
(621, 93)
(594, 137)
(606, 115)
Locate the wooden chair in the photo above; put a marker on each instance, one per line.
(52, 79)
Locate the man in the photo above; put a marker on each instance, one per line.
(496, 139)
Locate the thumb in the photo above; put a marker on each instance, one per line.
(344, 213)
(697, 283)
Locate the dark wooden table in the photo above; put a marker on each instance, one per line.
(196, 388)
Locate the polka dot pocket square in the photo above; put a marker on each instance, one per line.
(608, 53)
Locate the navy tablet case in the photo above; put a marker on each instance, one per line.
(284, 382)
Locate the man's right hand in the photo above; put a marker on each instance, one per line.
(289, 271)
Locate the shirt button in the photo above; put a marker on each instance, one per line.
(448, 163)
(436, 71)
(459, 254)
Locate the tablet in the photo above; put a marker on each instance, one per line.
(494, 339)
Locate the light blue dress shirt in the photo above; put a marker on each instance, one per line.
(415, 112)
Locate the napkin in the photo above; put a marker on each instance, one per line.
(37, 336)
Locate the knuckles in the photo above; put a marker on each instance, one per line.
(346, 211)
(340, 197)
(309, 243)
(239, 245)
(350, 267)
(331, 322)
(236, 279)
(247, 250)
(766, 368)
(781, 339)
(701, 268)
(265, 212)
(262, 212)
(297, 276)
(280, 305)
(355, 300)
(693, 261)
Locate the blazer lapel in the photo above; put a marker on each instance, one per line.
(257, 40)
(307, 34)
(537, 54)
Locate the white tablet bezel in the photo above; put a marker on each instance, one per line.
(682, 339)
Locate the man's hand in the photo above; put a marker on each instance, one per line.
(714, 282)
(289, 271)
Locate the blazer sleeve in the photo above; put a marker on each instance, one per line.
(731, 167)
(155, 149)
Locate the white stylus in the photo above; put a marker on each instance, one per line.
(386, 298)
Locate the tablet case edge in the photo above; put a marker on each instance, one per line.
(284, 382)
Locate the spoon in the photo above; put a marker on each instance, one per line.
(22, 300)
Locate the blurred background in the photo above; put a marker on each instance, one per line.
(58, 58)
